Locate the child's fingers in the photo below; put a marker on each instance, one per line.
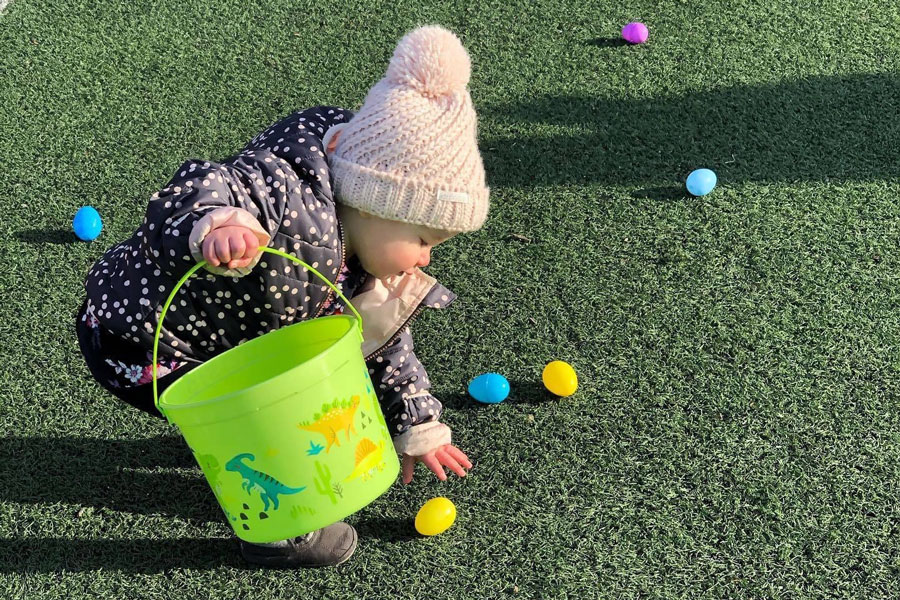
(244, 248)
(236, 246)
(243, 262)
(459, 455)
(409, 466)
(252, 244)
(239, 263)
(436, 467)
(448, 461)
(209, 252)
(222, 251)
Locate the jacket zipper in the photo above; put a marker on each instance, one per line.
(331, 291)
(406, 323)
(396, 335)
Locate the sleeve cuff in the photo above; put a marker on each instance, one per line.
(221, 217)
(422, 439)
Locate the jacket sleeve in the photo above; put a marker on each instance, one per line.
(203, 196)
(411, 412)
(249, 189)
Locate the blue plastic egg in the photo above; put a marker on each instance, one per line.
(701, 182)
(87, 223)
(489, 388)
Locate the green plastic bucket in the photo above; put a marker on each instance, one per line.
(286, 427)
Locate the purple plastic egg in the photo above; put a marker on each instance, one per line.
(635, 33)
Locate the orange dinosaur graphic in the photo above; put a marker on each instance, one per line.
(334, 418)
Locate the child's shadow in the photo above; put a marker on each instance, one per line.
(133, 476)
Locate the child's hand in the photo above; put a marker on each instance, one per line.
(232, 245)
(444, 456)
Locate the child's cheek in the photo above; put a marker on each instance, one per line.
(375, 265)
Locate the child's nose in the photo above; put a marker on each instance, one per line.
(425, 259)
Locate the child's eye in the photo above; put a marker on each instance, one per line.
(423, 242)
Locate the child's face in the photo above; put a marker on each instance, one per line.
(388, 248)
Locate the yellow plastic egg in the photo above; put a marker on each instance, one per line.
(560, 378)
(435, 516)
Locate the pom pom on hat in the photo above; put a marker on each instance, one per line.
(432, 61)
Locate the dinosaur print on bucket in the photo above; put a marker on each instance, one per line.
(334, 418)
(268, 487)
(369, 458)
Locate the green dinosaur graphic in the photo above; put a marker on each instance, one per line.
(268, 486)
(211, 468)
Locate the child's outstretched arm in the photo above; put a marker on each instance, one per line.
(412, 413)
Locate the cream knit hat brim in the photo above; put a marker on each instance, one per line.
(410, 153)
(408, 200)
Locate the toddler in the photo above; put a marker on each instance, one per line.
(361, 198)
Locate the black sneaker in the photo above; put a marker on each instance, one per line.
(324, 547)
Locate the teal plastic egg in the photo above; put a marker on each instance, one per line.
(87, 223)
(489, 388)
(701, 182)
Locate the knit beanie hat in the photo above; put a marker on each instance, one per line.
(410, 153)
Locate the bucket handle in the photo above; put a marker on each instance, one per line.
(203, 263)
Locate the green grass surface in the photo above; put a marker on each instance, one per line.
(736, 433)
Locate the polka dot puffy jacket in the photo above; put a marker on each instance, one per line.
(282, 178)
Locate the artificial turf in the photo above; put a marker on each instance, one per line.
(736, 432)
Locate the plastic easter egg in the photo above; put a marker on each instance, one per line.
(559, 377)
(435, 516)
(701, 182)
(87, 223)
(489, 388)
(635, 33)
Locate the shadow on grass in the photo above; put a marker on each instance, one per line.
(127, 476)
(387, 529)
(52, 555)
(520, 392)
(121, 475)
(607, 42)
(815, 129)
(663, 193)
(50, 236)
